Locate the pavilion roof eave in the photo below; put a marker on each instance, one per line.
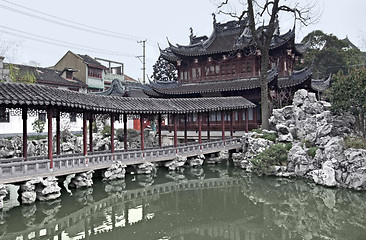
(16, 95)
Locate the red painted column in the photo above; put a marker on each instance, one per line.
(112, 133)
(246, 120)
(159, 129)
(185, 128)
(232, 124)
(175, 130)
(85, 133)
(199, 128)
(142, 131)
(49, 119)
(208, 125)
(25, 133)
(58, 133)
(223, 124)
(91, 133)
(125, 130)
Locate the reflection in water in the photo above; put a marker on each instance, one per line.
(226, 204)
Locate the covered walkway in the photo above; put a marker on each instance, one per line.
(29, 99)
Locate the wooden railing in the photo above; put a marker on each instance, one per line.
(19, 167)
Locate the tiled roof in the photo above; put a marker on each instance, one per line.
(320, 85)
(297, 78)
(48, 76)
(40, 97)
(225, 38)
(91, 61)
(206, 87)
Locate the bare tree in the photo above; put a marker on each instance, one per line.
(262, 17)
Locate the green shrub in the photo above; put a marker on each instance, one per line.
(269, 136)
(355, 142)
(288, 146)
(274, 155)
(106, 132)
(312, 151)
(36, 137)
(38, 126)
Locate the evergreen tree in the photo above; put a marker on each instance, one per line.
(164, 71)
(329, 54)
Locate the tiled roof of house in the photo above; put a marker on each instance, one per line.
(47, 76)
(91, 61)
(41, 97)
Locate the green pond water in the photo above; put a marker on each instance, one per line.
(215, 202)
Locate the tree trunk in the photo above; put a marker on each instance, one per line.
(264, 89)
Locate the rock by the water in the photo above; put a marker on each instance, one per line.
(145, 168)
(177, 163)
(3, 194)
(196, 161)
(116, 171)
(82, 180)
(223, 155)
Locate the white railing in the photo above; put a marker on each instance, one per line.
(16, 167)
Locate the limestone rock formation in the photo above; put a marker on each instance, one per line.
(223, 155)
(116, 171)
(177, 163)
(196, 161)
(145, 168)
(82, 180)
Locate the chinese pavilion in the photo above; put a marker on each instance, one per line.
(227, 63)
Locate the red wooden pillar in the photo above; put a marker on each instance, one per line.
(175, 130)
(85, 133)
(223, 124)
(142, 132)
(199, 127)
(49, 122)
(112, 133)
(246, 120)
(25, 133)
(159, 129)
(125, 130)
(185, 128)
(91, 133)
(232, 124)
(58, 134)
(208, 125)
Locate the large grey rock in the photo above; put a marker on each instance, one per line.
(298, 161)
(3, 194)
(284, 133)
(116, 171)
(324, 176)
(145, 168)
(196, 161)
(177, 163)
(82, 180)
(223, 155)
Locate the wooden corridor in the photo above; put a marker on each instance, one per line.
(20, 170)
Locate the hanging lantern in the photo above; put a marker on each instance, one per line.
(238, 55)
(179, 63)
(196, 60)
(258, 52)
(289, 51)
(210, 59)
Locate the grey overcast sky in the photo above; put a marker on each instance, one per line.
(38, 32)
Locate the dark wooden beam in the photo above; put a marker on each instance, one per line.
(159, 129)
(58, 134)
(112, 133)
(25, 133)
(125, 130)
